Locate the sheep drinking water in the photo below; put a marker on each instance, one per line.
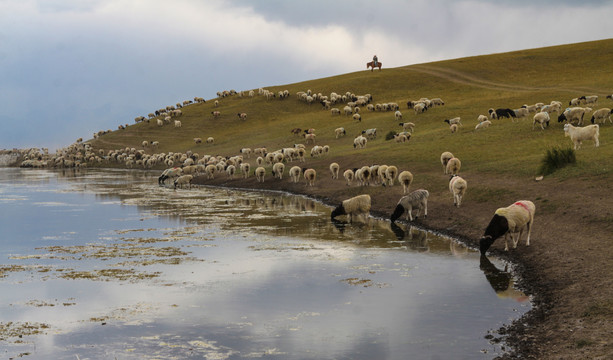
(418, 200)
(513, 219)
(356, 206)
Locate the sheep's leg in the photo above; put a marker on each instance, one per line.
(506, 246)
(409, 215)
(529, 226)
(516, 240)
(596, 142)
(426, 209)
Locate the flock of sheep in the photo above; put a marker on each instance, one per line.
(183, 168)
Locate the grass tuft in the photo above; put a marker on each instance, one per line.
(557, 158)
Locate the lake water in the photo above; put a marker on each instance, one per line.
(105, 264)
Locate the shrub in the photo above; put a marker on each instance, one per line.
(556, 158)
(390, 135)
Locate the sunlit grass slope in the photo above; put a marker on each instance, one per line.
(469, 87)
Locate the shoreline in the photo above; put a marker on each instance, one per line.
(569, 281)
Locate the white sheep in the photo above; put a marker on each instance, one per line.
(370, 133)
(349, 176)
(357, 117)
(574, 114)
(398, 115)
(390, 175)
(245, 167)
(513, 219)
(483, 124)
(277, 170)
(210, 171)
(359, 142)
(405, 178)
(160, 122)
(348, 110)
(453, 128)
(294, 173)
(453, 166)
(246, 151)
(210, 140)
(579, 134)
(592, 99)
(230, 171)
(309, 138)
(355, 206)
(417, 200)
(457, 187)
(445, 157)
(177, 123)
(408, 126)
(183, 180)
(334, 169)
(340, 132)
(309, 176)
(260, 172)
(603, 115)
(541, 118)
(455, 120)
(242, 116)
(335, 111)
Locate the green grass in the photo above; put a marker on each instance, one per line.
(469, 87)
(556, 158)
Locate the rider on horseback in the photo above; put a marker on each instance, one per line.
(375, 61)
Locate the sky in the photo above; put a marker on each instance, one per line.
(69, 68)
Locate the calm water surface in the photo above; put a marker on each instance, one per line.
(105, 264)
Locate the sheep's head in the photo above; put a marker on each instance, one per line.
(485, 243)
(338, 211)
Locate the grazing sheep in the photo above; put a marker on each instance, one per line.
(216, 114)
(445, 157)
(309, 176)
(160, 122)
(348, 175)
(230, 171)
(334, 169)
(398, 115)
(500, 113)
(309, 138)
(541, 118)
(457, 186)
(390, 175)
(357, 117)
(177, 123)
(340, 132)
(294, 173)
(242, 116)
(579, 134)
(246, 151)
(603, 115)
(405, 178)
(335, 111)
(407, 126)
(210, 171)
(348, 110)
(513, 219)
(420, 108)
(359, 142)
(574, 114)
(417, 200)
(198, 140)
(370, 133)
(210, 140)
(437, 102)
(483, 124)
(592, 99)
(277, 170)
(521, 113)
(260, 172)
(455, 120)
(453, 128)
(245, 167)
(183, 180)
(453, 166)
(355, 206)
(400, 138)
(482, 118)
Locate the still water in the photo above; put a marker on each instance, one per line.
(105, 264)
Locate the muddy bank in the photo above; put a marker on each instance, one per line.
(566, 269)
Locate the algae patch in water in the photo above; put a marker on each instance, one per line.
(20, 329)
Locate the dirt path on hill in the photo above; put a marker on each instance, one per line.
(567, 269)
(471, 80)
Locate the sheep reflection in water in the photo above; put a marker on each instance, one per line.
(501, 281)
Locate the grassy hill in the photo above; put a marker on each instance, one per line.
(469, 87)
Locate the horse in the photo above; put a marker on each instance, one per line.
(372, 65)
